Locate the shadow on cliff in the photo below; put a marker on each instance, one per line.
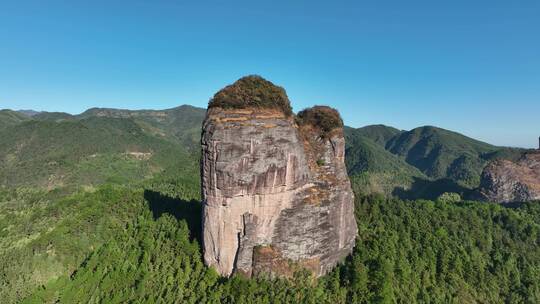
(189, 211)
(431, 190)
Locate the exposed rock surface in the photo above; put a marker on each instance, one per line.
(504, 181)
(276, 194)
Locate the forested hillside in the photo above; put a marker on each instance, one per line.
(9, 118)
(105, 207)
(58, 150)
(380, 134)
(181, 124)
(423, 162)
(82, 153)
(426, 161)
(121, 244)
(374, 169)
(440, 153)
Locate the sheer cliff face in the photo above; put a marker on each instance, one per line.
(276, 195)
(504, 181)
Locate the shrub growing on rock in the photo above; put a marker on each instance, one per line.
(252, 91)
(323, 118)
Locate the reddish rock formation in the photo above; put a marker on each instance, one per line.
(504, 181)
(276, 194)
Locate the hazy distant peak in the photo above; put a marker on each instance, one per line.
(29, 113)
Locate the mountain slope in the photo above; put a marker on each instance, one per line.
(10, 118)
(426, 153)
(182, 123)
(440, 153)
(83, 152)
(364, 154)
(422, 163)
(375, 169)
(28, 113)
(53, 116)
(380, 134)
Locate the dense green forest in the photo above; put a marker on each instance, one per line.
(115, 227)
(126, 244)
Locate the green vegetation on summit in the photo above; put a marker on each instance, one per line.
(324, 118)
(380, 134)
(252, 91)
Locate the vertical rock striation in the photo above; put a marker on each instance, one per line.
(276, 194)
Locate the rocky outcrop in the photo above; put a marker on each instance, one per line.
(276, 194)
(504, 181)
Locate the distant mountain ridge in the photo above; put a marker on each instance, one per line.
(384, 158)
(380, 134)
(28, 113)
(423, 161)
(10, 118)
(181, 123)
(52, 149)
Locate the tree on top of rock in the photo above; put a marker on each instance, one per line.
(252, 91)
(323, 118)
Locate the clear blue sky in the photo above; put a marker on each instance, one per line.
(469, 66)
